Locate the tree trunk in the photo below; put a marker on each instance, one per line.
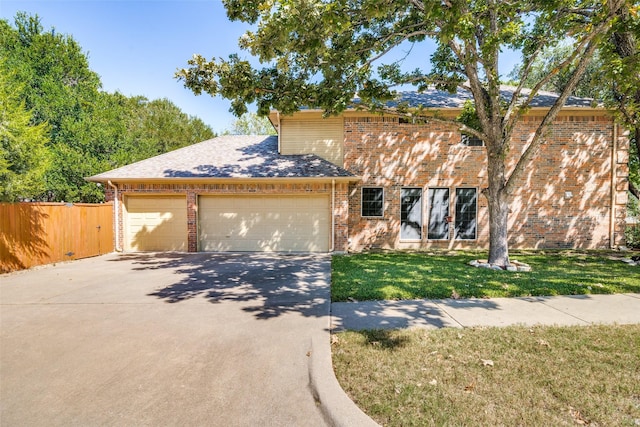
(498, 227)
(498, 210)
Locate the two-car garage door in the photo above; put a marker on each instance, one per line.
(286, 223)
(264, 223)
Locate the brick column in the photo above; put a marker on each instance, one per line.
(192, 221)
(341, 218)
(621, 185)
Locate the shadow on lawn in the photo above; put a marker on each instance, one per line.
(384, 338)
(275, 283)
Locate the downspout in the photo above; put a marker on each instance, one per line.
(115, 214)
(612, 215)
(333, 217)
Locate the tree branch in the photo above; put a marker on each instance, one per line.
(539, 135)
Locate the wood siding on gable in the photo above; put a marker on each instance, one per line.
(309, 133)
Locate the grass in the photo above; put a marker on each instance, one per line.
(402, 275)
(495, 376)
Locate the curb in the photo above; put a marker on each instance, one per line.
(336, 407)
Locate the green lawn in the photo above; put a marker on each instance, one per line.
(529, 376)
(401, 275)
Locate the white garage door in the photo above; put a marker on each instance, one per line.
(264, 223)
(156, 223)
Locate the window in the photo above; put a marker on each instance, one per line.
(438, 213)
(471, 141)
(466, 213)
(372, 201)
(411, 214)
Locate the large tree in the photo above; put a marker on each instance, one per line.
(24, 157)
(89, 130)
(321, 53)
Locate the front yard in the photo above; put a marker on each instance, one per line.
(541, 376)
(401, 275)
(489, 376)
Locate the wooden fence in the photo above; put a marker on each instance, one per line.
(42, 233)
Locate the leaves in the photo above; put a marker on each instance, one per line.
(87, 131)
(24, 157)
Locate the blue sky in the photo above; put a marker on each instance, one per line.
(136, 46)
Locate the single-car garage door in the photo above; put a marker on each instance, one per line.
(155, 223)
(264, 223)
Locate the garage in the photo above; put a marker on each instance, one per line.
(282, 223)
(155, 223)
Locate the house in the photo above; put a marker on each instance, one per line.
(360, 181)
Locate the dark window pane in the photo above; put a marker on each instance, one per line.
(466, 213)
(471, 141)
(372, 201)
(438, 213)
(411, 213)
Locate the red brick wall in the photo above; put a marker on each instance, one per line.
(563, 199)
(192, 191)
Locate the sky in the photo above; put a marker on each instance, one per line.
(137, 46)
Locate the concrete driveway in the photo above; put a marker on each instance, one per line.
(163, 339)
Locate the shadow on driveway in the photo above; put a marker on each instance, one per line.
(277, 283)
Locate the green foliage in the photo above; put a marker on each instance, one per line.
(320, 54)
(632, 232)
(161, 126)
(632, 236)
(251, 124)
(24, 157)
(590, 85)
(89, 131)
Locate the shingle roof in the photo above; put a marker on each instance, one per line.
(230, 156)
(433, 98)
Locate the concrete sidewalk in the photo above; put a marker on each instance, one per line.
(558, 310)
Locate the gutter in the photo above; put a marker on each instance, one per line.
(612, 214)
(226, 180)
(116, 217)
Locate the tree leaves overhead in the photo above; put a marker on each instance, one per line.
(322, 53)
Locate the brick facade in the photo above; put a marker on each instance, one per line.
(562, 201)
(572, 195)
